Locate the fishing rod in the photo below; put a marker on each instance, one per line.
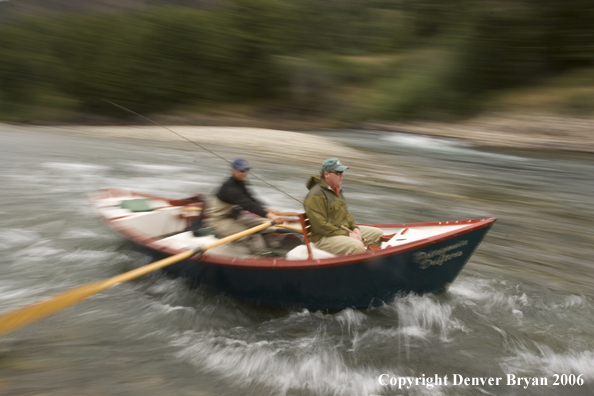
(230, 162)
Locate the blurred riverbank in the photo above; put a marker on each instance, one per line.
(500, 130)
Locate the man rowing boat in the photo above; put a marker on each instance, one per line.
(224, 211)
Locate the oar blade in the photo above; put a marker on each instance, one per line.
(23, 316)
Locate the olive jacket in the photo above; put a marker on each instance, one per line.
(326, 210)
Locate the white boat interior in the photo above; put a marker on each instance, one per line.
(168, 225)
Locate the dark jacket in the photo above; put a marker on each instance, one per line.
(326, 210)
(234, 192)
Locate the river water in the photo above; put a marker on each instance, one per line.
(523, 306)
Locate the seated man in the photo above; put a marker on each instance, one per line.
(333, 228)
(224, 211)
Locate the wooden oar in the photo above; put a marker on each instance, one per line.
(21, 317)
(288, 227)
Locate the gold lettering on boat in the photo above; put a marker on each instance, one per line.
(439, 256)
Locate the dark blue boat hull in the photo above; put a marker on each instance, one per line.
(373, 280)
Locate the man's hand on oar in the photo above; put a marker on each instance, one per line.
(272, 215)
(23, 316)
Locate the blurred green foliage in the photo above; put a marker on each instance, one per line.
(386, 59)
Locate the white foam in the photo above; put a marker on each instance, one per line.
(420, 316)
(37, 252)
(76, 233)
(160, 169)
(8, 294)
(80, 167)
(88, 256)
(12, 237)
(573, 301)
(168, 308)
(422, 141)
(548, 361)
(448, 146)
(306, 364)
(350, 318)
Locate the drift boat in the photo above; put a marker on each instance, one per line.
(414, 257)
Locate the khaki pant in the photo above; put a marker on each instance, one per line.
(225, 227)
(341, 245)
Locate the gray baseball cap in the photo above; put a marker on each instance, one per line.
(333, 164)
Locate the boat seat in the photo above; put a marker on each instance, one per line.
(301, 252)
(187, 240)
(307, 250)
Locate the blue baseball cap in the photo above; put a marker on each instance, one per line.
(333, 164)
(240, 164)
